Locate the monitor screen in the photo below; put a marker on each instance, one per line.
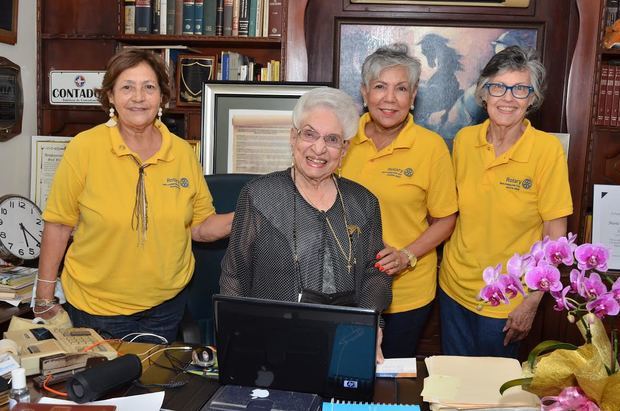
(322, 349)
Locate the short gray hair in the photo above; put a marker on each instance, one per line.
(515, 58)
(339, 102)
(392, 55)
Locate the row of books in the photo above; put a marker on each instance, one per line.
(16, 283)
(243, 18)
(237, 67)
(608, 97)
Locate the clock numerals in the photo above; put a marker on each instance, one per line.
(38, 222)
(4, 211)
(3, 234)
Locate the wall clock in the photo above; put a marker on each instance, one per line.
(21, 228)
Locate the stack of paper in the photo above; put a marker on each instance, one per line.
(473, 382)
(16, 283)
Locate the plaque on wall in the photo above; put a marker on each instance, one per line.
(11, 99)
(192, 72)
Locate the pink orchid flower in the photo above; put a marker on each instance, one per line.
(493, 294)
(537, 251)
(604, 305)
(561, 301)
(576, 280)
(520, 264)
(544, 277)
(559, 252)
(592, 257)
(593, 287)
(490, 275)
(511, 285)
(615, 289)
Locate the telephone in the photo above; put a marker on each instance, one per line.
(42, 342)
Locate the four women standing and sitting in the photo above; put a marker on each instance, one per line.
(306, 234)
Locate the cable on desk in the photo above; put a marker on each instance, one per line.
(53, 391)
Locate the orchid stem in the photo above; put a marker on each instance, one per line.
(614, 353)
(587, 327)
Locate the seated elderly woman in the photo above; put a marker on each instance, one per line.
(513, 189)
(304, 234)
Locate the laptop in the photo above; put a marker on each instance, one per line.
(323, 349)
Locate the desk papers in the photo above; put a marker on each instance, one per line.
(397, 368)
(473, 382)
(145, 402)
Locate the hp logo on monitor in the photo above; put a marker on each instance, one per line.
(350, 384)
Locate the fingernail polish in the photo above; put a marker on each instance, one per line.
(377, 265)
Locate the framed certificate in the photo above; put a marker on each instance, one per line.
(46, 153)
(606, 221)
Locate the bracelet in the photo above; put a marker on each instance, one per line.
(45, 302)
(45, 281)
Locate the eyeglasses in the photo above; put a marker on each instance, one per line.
(518, 90)
(310, 136)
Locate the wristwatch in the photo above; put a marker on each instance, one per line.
(413, 260)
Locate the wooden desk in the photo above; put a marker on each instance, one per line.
(198, 390)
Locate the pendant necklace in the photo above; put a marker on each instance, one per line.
(347, 256)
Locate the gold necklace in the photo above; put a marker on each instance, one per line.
(329, 223)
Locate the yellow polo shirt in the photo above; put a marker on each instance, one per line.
(503, 203)
(412, 178)
(106, 271)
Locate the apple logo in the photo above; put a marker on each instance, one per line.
(264, 377)
(259, 393)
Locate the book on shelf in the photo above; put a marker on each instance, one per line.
(228, 15)
(252, 4)
(209, 11)
(602, 91)
(171, 14)
(275, 18)
(235, 18)
(611, 73)
(198, 16)
(13, 278)
(613, 120)
(156, 17)
(611, 10)
(219, 17)
(130, 16)
(188, 16)
(178, 17)
(143, 17)
(265, 29)
(244, 18)
(259, 17)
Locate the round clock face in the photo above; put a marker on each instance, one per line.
(21, 228)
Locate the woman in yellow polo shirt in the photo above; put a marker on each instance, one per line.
(512, 182)
(408, 168)
(134, 197)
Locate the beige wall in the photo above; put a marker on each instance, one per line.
(15, 153)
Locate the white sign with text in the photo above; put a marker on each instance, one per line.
(73, 87)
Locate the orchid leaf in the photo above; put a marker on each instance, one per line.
(547, 346)
(513, 383)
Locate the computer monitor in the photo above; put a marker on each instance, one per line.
(322, 349)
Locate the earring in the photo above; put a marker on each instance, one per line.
(112, 121)
(339, 172)
(365, 105)
(159, 113)
(412, 106)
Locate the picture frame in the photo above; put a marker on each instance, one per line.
(45, 155)
(246, 126)
(606, 221)
(8, 21)
(11, 99)
(192, 71)
(472, 3)
(451, 59)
